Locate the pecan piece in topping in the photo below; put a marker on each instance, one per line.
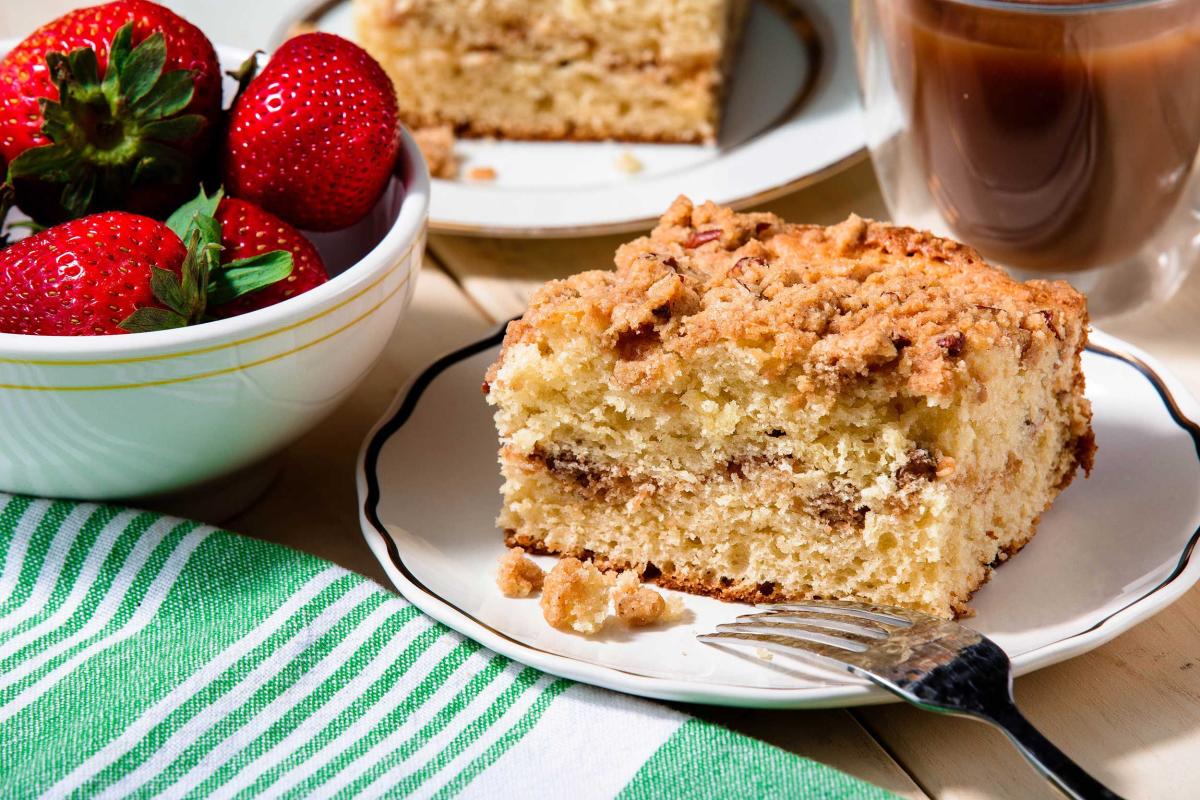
(743, 264)
(1049, 317)
(633, 345)
(701, 237)
(952, 343)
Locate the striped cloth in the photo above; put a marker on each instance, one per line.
(143, 655)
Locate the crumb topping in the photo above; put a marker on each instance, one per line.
(638, 606)
(641, 607)
(575, 596)
(517, 575)
(824, 304)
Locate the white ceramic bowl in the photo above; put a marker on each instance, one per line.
(132, 416)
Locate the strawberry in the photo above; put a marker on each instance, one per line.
(112, 106)
(86, 276)
(314, 138)
(246, 232)
(115, 272)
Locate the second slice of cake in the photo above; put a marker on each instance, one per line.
(763, 411)
(635, 70)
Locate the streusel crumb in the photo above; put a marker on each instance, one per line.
(641, 607)
(575, 596)
(627, 582)
(824, 305)
(517, 576)
(628, 163)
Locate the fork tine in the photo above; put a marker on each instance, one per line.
(803, 644)
(837, 622)
(884, 614)
(836, 629)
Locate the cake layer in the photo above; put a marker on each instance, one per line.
(751, 538)
(629, 31)
(568, 392)
(560, 70)
(768, 529)
(486, 94)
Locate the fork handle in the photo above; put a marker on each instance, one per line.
(1046, 758)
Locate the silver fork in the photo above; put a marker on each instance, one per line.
(934, 664)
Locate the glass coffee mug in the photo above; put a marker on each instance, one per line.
(1059, 139)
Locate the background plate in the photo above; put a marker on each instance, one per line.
(792, 117)
(1113, 550)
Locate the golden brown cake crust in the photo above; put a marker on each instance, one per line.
(562, 132)
(825, 304)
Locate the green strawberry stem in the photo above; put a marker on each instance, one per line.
(203, 280)
(109, 133)
(185, 295)
(8, 196)
(244, 74)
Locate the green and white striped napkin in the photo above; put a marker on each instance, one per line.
(143, 655)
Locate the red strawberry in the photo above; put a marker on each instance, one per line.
(248, 231)
(314, 138)
(85, 277)
(108, 107)
(115, 272)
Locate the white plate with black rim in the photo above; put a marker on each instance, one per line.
(1113, 550)
(792, 117)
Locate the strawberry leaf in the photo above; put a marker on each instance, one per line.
(57, 122)
(77, 195)
(210, 231)
(118, 54)
(83, 66)
(248, 275)
(138, 73)
(49, 160)
(197, 266)
(170, 95)
(168, 290)
(8, 196)
(145, 320)
(202, 205)
(174, 128)
(130, 127)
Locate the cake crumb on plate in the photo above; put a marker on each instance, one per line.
(518, 576)
(638, 605)
(641, 607)
(575, 596)
(628, 163)
(482, 174)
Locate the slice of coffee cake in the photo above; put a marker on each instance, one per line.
(638, 70)
(762, 411)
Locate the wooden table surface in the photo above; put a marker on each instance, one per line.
(1128, 711)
